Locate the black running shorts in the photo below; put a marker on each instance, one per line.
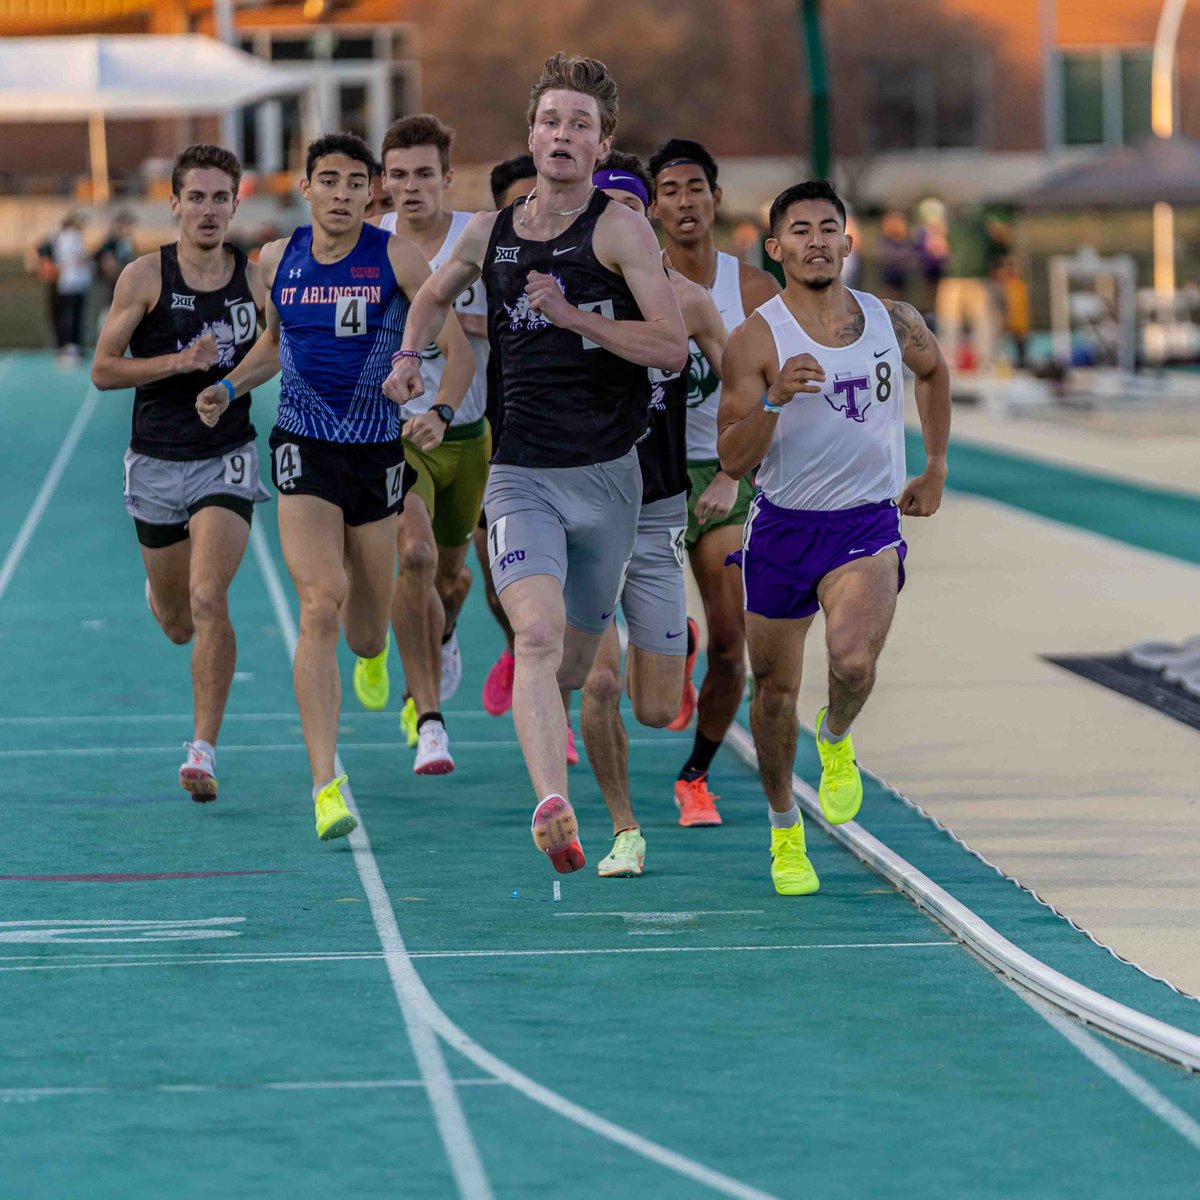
(366, 480)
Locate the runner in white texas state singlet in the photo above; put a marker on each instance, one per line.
(814, 391)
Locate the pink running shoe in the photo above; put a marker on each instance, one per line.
(498, 686)
(556, 832)
(572, 753)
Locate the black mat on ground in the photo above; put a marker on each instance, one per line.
(1142, 684)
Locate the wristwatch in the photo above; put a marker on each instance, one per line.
(444, 411)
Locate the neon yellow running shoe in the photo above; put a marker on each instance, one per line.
(334, 819)
(371, 679)
(408, 722)
(626, 857)
(841, 789)
(791, 872)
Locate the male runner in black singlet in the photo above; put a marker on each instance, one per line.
(188, 313)
(578, 308)
(654, 598)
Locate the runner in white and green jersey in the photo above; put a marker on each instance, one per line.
(686, 199)
(443, 508)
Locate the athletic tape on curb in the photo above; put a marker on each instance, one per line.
(1100, 1011)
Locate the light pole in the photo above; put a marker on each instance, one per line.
(230, 125)
(1162, 121)
(818, 87)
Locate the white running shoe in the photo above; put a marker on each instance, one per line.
(198, 775)
(433, 750)
(451, 667)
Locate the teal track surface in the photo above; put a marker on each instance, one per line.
(226, 1024)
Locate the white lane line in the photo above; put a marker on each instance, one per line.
(427, 1014)
(314, 1085)
(277, 747)
(99, 962)
(1144, 1092)
(145, 718)
(451, 1121)
(46, 492)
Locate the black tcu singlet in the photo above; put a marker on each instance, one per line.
(662, 453)
(165, 421)
(566, 401)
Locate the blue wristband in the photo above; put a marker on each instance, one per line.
(772, 408)
(229, 388)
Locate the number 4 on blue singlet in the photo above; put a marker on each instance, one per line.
(350, 316)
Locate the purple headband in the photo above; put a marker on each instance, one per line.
(622, 181)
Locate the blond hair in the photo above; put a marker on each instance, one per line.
(573, 73)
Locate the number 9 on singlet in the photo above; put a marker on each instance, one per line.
(350, 316)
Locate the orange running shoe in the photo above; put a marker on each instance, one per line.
(696, 804)
(556, 832)
(687, 705)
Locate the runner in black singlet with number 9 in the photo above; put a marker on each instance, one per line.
(578, 308)
(187, 314)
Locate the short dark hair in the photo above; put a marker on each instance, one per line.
(422, 130)
(200, 156)
(810, 189)
(618, 160)
(348, 144)
(510, 171)
(684, 150)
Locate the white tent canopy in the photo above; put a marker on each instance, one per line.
(130, 76)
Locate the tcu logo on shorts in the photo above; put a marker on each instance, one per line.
(499, 555)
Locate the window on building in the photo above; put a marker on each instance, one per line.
(1104, 96)
(1135, 93)
(919, 106)
(360, 82)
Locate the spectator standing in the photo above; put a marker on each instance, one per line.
(74, 279)
(115, 254)
(897, 255)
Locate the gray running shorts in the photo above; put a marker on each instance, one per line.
(577, 524)
(655, 600)
(164, 492)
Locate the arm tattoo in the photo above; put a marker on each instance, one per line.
(911, 331)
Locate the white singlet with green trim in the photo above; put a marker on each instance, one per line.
(704, 388)
(472, 301)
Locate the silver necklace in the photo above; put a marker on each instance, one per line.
(554, 212)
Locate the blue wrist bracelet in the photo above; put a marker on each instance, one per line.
(774, 408)
(229, 388)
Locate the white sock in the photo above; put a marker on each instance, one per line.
(784, 820)
(206, 748)
(828, 736)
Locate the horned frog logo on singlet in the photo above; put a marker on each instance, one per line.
(658, 388)
(223, 332)
(701, 380)
(523, 318)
